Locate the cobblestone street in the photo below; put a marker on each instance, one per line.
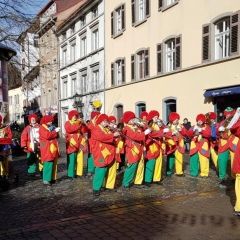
(182, 208)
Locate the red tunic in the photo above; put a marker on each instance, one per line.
(48, 144)
(103, 148)
(236, 162)
(134, 143)
(5, 135)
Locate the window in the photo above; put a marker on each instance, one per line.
(169, 55)
(140, 11)
(95, 80)
(95, 40)
(166, 3)
(119, 112)
(118, 72)
(84, 83)
(16, 99)
(224, 35)
(83, 46)
(140, 65)
(170, 106)
(74, 83)
(82, 21)
(35, 41)
(73, 51)
(72, 29)
(64, 88)
(64, 36)
(140, 107)
(64, 56)
(94, 12)
(118, 21)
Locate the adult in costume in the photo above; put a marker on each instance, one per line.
(199, 147)
(49, 149)
(227, 145)
(75, 145)
(134, 144)
(103, 150)
(173, 135)
(31, 145)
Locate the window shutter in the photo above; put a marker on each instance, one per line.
(160, 5)
(178, 55)
(234, 33)
(159, 58)
(206, 43)
(123, 17)
(133, 67)
(133, 12)
(112, 25)
(112, 74)
(123, 70)
(146, 54)
(147, 8)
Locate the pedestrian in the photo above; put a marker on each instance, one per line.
(31, 145)
(187, 141)
(103, 150)
(199, 150)
(49, 149)
(75, 145)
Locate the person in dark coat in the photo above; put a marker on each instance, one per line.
(187, 125)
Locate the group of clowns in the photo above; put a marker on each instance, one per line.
(141, 142)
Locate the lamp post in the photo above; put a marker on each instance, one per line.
(78, 103)
(25, 116)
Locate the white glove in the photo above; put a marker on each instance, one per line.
(174, 132)
(238, 109)
(165, 130)
(147, 131)
(195, 128)
(199, 129)
(179, 128)
(57, 129)
(221, 129)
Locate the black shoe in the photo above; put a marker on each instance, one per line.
(233, 180)
(41, 174)
(79, 177)
(110, 190)
(235, 213)
(148, 184)
(180, 175)
(96, 193)
(222, 181)
(53, 182)
(125, 188)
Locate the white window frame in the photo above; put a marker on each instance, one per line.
(64, 56)
(94, 12)
(82, 21)
(222, 39)
(64, 87)
(83, 81)
(141, 13)
(73, 84)
(170, 52)
(83, 44)
(73, 51)
(118, 20)
(140, 65)
(170, 2)
(95, 39)
(118, 75)
(95, 78)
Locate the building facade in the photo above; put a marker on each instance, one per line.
(81, 59)
(172, 55)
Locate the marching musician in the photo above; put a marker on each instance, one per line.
(5, 140)
(49, 149)
(103, 150)
(90, 126)
(199, 147)
(75, 145)
(31, 145)
(134, 144)
(227, 144)
(153, 170)
(175, 144)
(143, 116)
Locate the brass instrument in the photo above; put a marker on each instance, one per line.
(208, 120)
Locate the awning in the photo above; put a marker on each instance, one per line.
(222, 91)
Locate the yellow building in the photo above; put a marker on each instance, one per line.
(172, 55)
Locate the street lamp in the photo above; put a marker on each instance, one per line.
(78, 103)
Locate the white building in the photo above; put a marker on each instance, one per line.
(81, 58)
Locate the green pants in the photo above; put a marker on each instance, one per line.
(32, 162)
(222, 164)
(149, 170)
(194, 165)
(71, 164)
(99, 177)
(47, 171)
(90, 163)
(170, 163)
(129, 174)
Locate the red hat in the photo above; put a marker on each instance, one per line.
(228, 111)
(46, 119)
(127, 116)
(101, 117)
(112, 118)
(143, 114)
(94, 114)
(32, 116)
(201, 117)
(173, 116)
(73, 113)
(212, 115)
(152, 114)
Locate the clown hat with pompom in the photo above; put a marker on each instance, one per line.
(173, 116)
(228, 111)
